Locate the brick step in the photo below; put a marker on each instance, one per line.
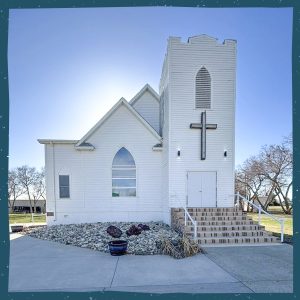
(213, 214)
(218, 218)
(230, 234)
(207, 209)
(211, 209)
(223, 223)
(238, 240)
(224, 228)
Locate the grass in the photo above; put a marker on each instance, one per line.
(272, 225)
(26, 218)
(277, 210)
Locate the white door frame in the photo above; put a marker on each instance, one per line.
(186, 184)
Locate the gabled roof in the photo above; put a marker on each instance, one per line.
(148, 88)
(122, 101)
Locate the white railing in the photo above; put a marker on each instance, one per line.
(260, 210)
(187, 216)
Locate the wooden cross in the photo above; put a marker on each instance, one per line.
(203, 126)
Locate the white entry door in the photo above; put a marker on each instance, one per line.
(202, 189)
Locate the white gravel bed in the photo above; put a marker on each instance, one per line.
(94, 236)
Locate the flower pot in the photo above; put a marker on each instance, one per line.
(118, 247)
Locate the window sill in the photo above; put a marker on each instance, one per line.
(125, 197)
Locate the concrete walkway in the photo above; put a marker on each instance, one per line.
(37, 265)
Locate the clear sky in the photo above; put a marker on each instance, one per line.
(68, 67)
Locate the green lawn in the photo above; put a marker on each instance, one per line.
(272, 225)
(26, 218)
(276, 210)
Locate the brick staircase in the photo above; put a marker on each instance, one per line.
(221, 226)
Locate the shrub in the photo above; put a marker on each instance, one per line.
(180, 248)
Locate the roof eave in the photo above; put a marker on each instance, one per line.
(56, 141)
(85, 148)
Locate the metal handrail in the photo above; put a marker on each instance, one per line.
(186, 213)
(260, 210)
(186, 216)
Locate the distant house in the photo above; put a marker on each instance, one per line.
(263, 201)
(23, 205)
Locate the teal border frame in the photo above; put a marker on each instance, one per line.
(5, 5)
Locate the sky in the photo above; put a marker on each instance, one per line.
(68, 67)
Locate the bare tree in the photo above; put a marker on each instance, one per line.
(15, 189)
(268, 174)
(38, 187)
(251, 182)
(27, 177)
(277, 167)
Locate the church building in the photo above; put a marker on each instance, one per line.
(162, 150)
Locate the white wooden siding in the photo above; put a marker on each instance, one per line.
(91, 175)
(148, 107)
(185, 60)
(164, 89)
(161, 176)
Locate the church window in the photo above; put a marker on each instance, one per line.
(203, 89)
(64, 186)
(123, 174)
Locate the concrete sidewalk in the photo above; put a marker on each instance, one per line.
(37, 265)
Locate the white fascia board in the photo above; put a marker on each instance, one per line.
(100, 122)
(122, 101)
(55, 141)
(84, 148)
(157, 148)
(146, 87)
(143, 121)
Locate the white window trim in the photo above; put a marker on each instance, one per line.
(64, 174)
(124, 167)
(211, 91)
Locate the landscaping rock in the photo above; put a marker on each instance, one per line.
(114, 231)
(133, 230)
(144, 227)
(94, 236)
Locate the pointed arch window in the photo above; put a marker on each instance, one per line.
(123, 174)
(203, 89)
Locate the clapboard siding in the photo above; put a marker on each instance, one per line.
(161, 176)
(148, 107)
(91, 174)
(185, 60)
(164, 91)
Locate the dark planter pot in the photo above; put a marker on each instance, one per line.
(117, 248)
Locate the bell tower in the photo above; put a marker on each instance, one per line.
(197, 121)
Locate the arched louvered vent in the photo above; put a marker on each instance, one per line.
(203, 89)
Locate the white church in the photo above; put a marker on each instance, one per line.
(161, 150)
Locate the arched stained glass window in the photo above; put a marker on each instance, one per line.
(203, 89)
(123, 174)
